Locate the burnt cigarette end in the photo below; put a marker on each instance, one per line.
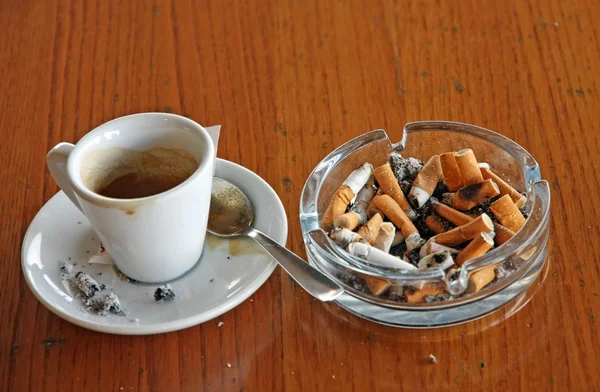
(470, 192)
(437, 224)
(468, 197)
(447, 198)
(439, 258)
(412, 199)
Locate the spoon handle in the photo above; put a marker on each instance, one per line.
(309, 278)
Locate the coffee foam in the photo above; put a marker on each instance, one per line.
(102, 166)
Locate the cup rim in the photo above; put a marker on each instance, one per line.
(82, 191)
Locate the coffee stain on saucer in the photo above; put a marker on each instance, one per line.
(130, 212)
(237, 245)
(212, 241)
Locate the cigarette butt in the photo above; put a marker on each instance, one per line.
(349, 220)
(343, 237)
(426, 181)
(392, 210)
(480, 279)
(371, 210)
(442, 260)
(417, 296)
(477, 247)
(387, 182)
(451, 171)
(502, 234)
(376, 286)
(363, 198)
(450, 214)
(505, 188)
(437, 224)
(466, 232)
(385, 237)
(345, 193)
(339, 202)
(398, 238)
(472, 195)
(528, 253)
(469, 170)
(359, 177)
(378, 257)
(433, 247)
(507, 213)
(369, 230)
(414, 241)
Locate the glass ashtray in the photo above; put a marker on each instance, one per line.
(519, 257)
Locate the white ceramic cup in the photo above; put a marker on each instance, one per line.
(155, 238)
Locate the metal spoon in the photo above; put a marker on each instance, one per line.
(231, 215)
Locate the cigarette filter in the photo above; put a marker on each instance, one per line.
(507, 213)
(345, 193)
(339, 202)
(376, 286)
(505, 188)
(477, 247)
(385, 237)
(469, 170)
(480, 279)
(451, 171)
(425, 182)
(387, 182)
(502, 234)
(450, 214)
(349, 220)
(370, 229)
(466, 232)
(418, 296)
(392, 210)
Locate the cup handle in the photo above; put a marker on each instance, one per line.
(56, 159)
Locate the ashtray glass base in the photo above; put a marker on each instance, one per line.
(445, 317)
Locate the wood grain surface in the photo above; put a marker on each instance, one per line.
(289, 81)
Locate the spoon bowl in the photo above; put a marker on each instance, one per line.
(232, 213)
(230, 209)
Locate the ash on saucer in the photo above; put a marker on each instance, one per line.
(86, 284)
(67, 267)
(164, 293)
(96, 297)
(106, 304)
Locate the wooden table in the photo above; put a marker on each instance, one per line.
(289, 81)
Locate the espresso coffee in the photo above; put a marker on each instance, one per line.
(134, 185)
(129, 174)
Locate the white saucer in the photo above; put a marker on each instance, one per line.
(59, 232)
